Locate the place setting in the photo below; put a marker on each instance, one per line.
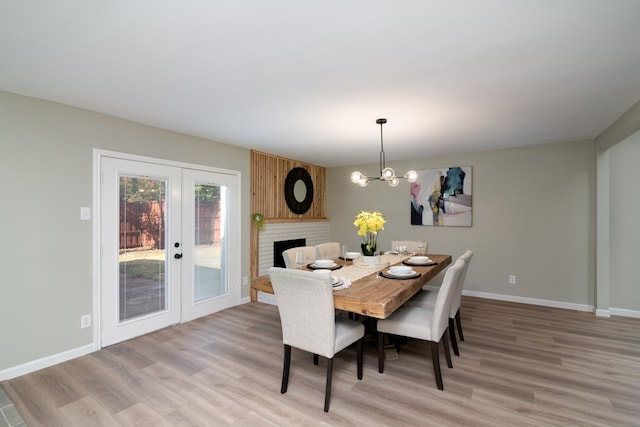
(337, 283)
(419, 260)
(323, 264)
(399, 272)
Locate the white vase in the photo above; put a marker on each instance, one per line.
(369, 260)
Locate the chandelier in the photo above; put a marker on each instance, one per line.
(386, 174)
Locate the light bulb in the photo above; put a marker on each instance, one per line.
(356, 176)
(393, 182)
(411, 176)
(362, 182)
(388, 173)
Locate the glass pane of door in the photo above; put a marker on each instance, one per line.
(142, 256)
(209, 268)
(210, 280)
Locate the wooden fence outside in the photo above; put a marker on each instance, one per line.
(142, 224)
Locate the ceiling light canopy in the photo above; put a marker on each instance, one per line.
(386, 174)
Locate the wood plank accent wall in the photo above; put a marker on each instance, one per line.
(268, 173)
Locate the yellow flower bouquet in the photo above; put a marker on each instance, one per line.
(368, 224)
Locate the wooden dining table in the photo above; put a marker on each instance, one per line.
(372, 294)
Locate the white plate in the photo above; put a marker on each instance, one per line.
(324, 263)
(400, 269)
(324, 266)
(419, 263)
(401, 274)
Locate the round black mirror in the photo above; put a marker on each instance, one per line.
(298, 190)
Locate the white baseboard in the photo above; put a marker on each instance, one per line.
(549, 303)
(267, 298)
(45, 362)
(624, 312)
(534, 301)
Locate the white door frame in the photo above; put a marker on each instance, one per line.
(98, 154)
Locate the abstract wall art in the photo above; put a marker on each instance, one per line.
(442, 197)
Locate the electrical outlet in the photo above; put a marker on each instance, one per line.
(512, 280)
(245, 280)
(85, 321)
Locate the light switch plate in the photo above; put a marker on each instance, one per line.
(85, 213)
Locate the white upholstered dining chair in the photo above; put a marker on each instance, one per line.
(424, 323)
(309, 323)
(328, 250)
(427, 299)
(289, 255)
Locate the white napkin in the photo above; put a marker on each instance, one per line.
(345, 284)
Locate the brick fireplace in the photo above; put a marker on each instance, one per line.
(313, 233)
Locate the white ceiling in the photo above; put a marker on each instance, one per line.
(308, 79)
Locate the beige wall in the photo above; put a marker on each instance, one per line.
(534, 211)
(46, 155)
(624, 224)
(533, 217)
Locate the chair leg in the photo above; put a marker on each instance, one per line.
(327, 391)
(459, 325)
(435, 356)
(359, 357)
(452, 334)
(315, 359)
(285, 369)
(381, 352)
(445, 344)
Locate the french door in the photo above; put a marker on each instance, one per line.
(167, 235)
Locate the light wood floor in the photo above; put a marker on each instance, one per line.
(520, 365)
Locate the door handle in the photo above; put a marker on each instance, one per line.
(177, 256)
